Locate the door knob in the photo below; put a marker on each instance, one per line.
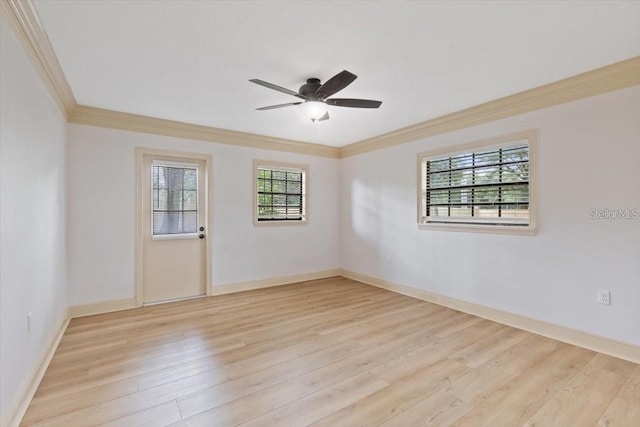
(201, 228)
(201, 236)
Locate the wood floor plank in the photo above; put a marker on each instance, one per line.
(456, 321)
(398, 397)
(96, 375)
(503, 368)
(612, 364)
(439, 409)
(327, 352)
(73, 402)
(131, 404)
(75, 387)
(437, 349)
(515, 402)
(385, 311)
(582, 401)
(485, 349)
(624, 410)
(243, 366)
(158, 416)
(377, 331)
(305, 411)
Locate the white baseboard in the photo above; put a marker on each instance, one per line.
(101, 307)
(615, 348)
(275, 281)
(13, 416)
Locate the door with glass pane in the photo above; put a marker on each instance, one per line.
(174, 226)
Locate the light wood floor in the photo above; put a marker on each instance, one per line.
(331, 352)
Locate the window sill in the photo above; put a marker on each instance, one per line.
(257, 223)
(479, 228)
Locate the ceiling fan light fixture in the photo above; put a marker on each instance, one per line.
(314, 110)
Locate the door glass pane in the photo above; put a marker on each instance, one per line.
(175, 200)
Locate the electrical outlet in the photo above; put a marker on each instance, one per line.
(29, 322)
(604, 297)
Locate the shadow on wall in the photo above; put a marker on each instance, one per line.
(378, 221)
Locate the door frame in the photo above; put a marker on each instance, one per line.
(207, 192)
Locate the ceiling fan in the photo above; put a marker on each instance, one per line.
(316, 96)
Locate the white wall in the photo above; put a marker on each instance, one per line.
(32, 220)
(102, 214)
(588, 158)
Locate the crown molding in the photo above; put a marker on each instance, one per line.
(92, 116)
(24, 21)
(612, 77)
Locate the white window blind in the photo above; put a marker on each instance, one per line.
(175, 199)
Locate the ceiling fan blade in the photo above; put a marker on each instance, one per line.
(325, 117)
(272, 107)
(356, 103)
(335, 84)
(276, 87)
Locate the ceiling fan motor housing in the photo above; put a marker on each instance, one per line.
(310, 88)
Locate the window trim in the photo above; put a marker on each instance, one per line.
(486, 144)
(305, 199)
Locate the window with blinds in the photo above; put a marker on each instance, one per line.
(280, 193)
(175, 199)
(487, 186)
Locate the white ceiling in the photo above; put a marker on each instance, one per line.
(191, 60)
